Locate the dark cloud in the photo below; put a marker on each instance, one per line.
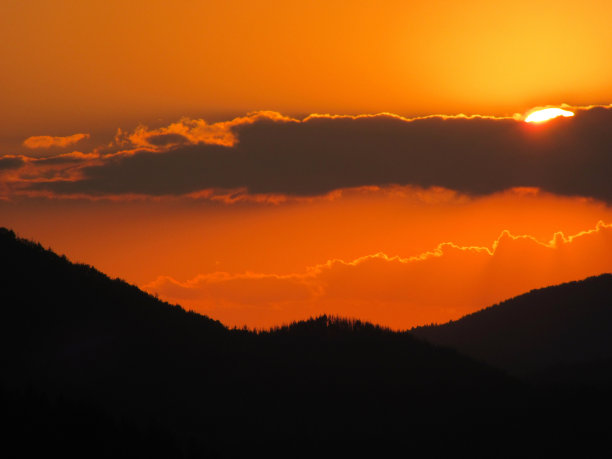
(569, 156)
(160, 140)
(65, 159)
(10, 163)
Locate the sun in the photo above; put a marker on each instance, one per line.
(546, 114)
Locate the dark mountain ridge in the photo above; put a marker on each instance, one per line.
(95, 367)
(546, 333)
(69, 332)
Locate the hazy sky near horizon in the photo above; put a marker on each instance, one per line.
(228, 155)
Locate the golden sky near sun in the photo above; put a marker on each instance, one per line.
(68, 62)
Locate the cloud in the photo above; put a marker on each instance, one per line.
(435, 286)
(194, 131)
(46, 141)
(267, 153)
(20, 173)
(11, 162)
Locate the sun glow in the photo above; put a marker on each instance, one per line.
(546, 114)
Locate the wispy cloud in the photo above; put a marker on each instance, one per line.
(46, 141)
(437, 285)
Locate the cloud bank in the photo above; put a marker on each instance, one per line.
(267, 153)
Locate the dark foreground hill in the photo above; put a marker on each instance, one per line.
(94, 367)
(561, 333)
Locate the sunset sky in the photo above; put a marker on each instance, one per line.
(262, 162)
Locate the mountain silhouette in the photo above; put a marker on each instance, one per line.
(559, 333)
(93, 366)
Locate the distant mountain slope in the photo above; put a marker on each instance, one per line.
(557, 331)
(56, 314)
(68, 330)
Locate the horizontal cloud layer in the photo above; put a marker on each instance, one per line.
(267, 153)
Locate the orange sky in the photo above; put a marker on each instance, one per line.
(265, 264)
(126, 143)
(71, 65)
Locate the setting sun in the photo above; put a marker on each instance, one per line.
(547, 114)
